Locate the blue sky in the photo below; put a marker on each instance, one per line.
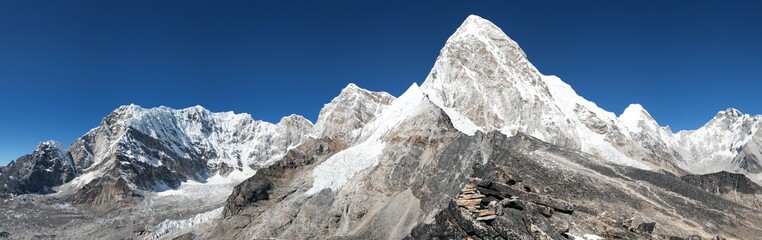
(64, 65)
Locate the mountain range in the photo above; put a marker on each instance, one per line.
(487, 147)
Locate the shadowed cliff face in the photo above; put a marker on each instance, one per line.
(723, 182)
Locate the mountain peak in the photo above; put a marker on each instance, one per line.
(475, 20)
(731, 112)
(127, 108)
(729, 115)
(482, 28)
(295, 119)
(351, 87)
(635, 111)
(52, 151)
(635, 115)
(49, 144)
(348, 112)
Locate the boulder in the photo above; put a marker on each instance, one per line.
(247, 193)
(646, 228)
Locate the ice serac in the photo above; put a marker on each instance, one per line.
(484, 78)
(344, 117)
(48, 166)
(158, 148)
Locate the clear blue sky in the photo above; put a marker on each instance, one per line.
(64, 65)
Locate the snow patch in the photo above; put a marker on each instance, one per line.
(233, 177)
(586, 237)
(169, 226)
(460, 122)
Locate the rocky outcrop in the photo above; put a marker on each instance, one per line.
(106, 193)
(247, 193)
(47, 167)
(497, 215)
(723, 183)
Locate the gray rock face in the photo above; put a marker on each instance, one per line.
(347, 114)
(48, 166)
(106, 192)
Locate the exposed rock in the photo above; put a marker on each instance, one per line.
(248, 192)
(619, 235)
(646, 228)
(723, 182)
(187, 236)
(106, 192)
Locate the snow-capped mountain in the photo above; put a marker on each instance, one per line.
(486, 147)
(483, 77)
(158, 148)
(729, 142)
(484, 81)
(402, 174)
